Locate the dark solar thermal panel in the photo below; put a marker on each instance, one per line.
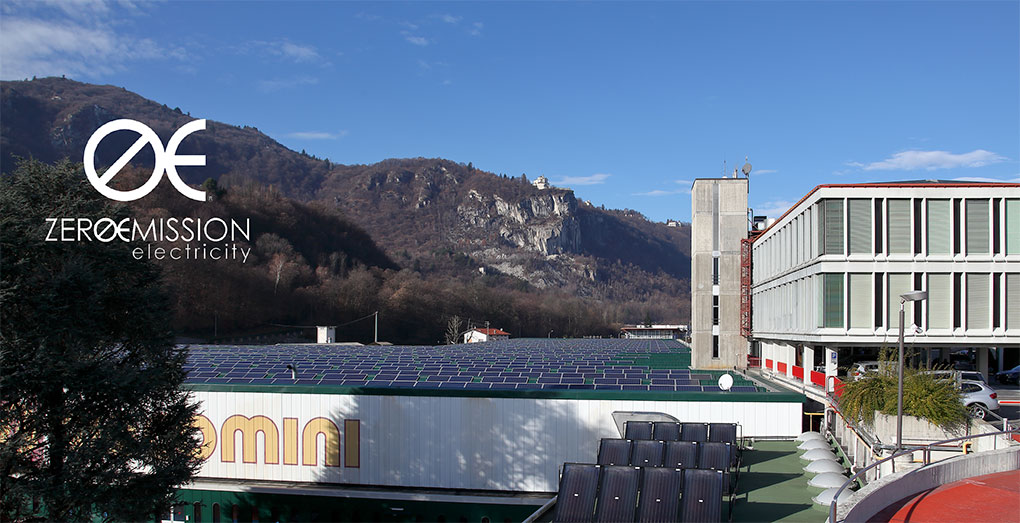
(618, 493)
(578, 489)
(702, 495)
(646, 453)
(725, 432)
(665, 431)
(694, 431)
(660, 495)
(614, 451)
(636, 430)
(681, 454)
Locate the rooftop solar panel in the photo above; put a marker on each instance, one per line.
(608, 364)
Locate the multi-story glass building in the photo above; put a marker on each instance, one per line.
(830, 271)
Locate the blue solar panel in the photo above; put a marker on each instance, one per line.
(525, 364)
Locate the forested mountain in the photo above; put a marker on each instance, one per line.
(420, 239)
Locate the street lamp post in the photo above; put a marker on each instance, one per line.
(904, 298)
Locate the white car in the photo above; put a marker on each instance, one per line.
(859, 369)
(973, 375)
(978, 398)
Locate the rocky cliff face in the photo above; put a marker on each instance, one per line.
(543, 223)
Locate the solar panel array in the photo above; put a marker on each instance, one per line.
(519, 364)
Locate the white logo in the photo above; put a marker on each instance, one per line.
(167, 160)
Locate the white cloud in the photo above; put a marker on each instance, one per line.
(988, 180)
(476, 29)
(765, 171)
(317, 135)
(81, 10)
(35, 47)
(684, 182)
(299, 53)
(277, 84)
(661, 192)
(450, 19)
(417, 40)
(594, 179)
(773, 209)
(932, 160)
(283, 49)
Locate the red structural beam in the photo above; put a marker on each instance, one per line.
(746, 262)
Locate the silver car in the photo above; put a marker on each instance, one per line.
(978, 398)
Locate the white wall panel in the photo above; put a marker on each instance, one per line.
(450, 442)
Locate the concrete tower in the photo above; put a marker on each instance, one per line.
(718, 223)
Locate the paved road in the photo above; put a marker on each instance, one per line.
(1007, 395)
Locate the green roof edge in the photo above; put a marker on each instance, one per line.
(580, 394)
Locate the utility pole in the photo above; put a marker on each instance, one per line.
(376, 328)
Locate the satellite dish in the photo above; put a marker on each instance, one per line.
(725, 382)
(746, 169)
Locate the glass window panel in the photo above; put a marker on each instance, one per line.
(977, 226)
(833, 297)
(940, 304)
(1013, 300)
(978, 313)
(860, 301)
(939, 228)
(1012, 226)
(899, 284)
(860, 226)
(833, 226)
(899, 227)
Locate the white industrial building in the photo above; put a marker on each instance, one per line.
(328, 432)
(829, 273)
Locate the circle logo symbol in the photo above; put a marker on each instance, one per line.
(167, 160)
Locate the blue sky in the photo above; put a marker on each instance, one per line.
(626, 103)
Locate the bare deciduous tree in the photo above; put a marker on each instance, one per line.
(453, 329)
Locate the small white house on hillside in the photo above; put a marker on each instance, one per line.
(477, 335)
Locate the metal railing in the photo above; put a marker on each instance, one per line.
(926, 460)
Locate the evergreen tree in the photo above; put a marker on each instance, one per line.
(94, 421)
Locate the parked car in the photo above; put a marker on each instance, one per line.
(970, 375)
(1009, 376)
(978, 398)
(859, 369)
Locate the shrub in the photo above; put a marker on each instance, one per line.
(925, 396)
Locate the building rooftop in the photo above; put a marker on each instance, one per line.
(492, 332)
(901, 184)
(617, 368)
